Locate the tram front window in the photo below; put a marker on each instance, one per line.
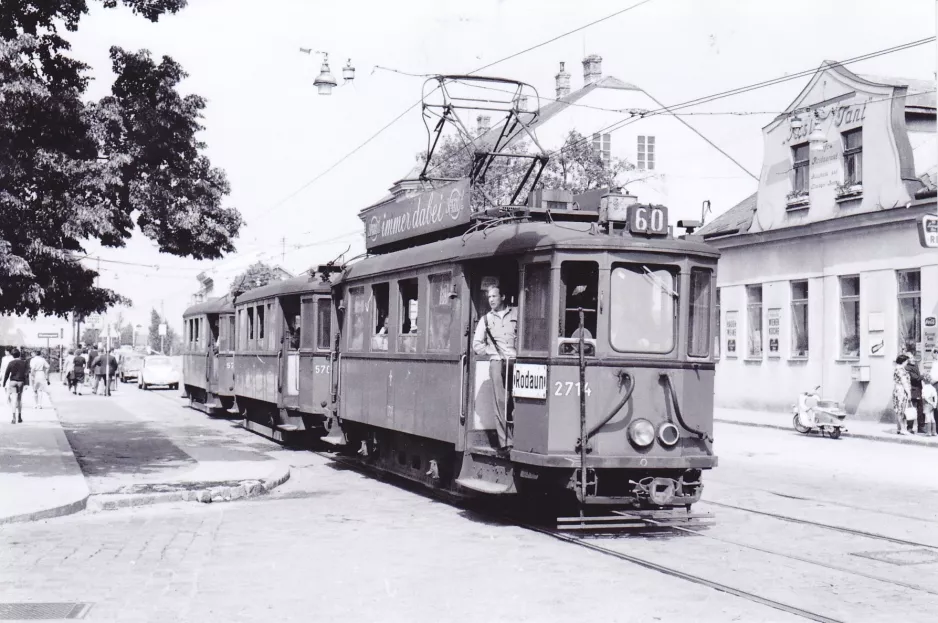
(579, 291)
(642, 308)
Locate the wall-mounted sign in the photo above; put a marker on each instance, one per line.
(423, 213)
(877, 321)
(529, 380)
(930, 339)
(775, 330)
(928, 231)
(877, 347)
(731, 325)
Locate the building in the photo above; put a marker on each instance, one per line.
(823, 278)
(213, 284)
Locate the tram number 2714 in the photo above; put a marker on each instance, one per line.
(564, 389)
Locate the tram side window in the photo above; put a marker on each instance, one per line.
(242, 330)
(358, 318)
(306, 334)
(698, 335)
(410, 308)
(536, 303)
(222, 334)
(381, 295)
(580, 289)
(261, 321)
(291, 322)
(250, 341)
(231, 333)
(323, 323)
(440, 307)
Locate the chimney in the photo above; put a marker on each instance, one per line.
(563, 83)
(592, 69)
(483, 122)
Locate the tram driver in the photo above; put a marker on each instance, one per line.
(496, 336)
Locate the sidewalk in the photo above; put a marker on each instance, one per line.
(130, 449)
(39, 476)
(874, 431)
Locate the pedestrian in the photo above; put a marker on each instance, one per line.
(901, 394)
(92, 357)
(77, 375)
(110, 371)
(17, 373)
(7, 358)
(97, 369)
(930, 400)
(915, 385)
(67, 364)
(496, 335)
(39, 378)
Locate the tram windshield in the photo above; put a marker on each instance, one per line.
(642, 309)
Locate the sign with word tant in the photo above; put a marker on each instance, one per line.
(529, 381)
(422, 213)
(646, 219)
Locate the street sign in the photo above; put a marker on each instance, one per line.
(49, 335)
(928, 231)
(93, 321)
(163, 330)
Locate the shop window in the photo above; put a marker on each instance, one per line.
(799, 167)
(853, 157)
(718, 336)
(323, 323)
(250, 342)
(410, 315)
(358, 318)
(754, 311)
(380, 316)
(307, 314)
(910, 311)
(440, 308)
(646, 153)
(799, 319)
(536, 303)
(698, 336)
(850, 317)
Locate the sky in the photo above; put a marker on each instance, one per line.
(275, 137)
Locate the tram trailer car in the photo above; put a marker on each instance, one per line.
(208, 368)
(414, 399)
(282, 356)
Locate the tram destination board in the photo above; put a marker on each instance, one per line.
(651, 220)
(420, 214)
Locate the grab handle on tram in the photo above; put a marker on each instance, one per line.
(463, 379)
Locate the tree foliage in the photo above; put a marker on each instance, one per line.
(153, 335)
(74, 170)
(257, 275)
(576, 167)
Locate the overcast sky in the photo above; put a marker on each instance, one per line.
(269, 130)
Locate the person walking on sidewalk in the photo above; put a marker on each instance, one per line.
(930, 400)
(39, 378)
(915, 395)
(77, 376)
(901, 394)
(7, 358)
(17, 373)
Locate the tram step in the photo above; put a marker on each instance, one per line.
(287, 428)
(483, 486)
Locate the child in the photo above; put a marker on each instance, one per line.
(930, 400)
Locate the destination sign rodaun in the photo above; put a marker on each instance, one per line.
(422, 213)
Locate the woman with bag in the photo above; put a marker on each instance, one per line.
(902, 396)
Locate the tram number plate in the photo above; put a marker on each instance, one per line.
(565, 389)
(323, 369)
(648, 219)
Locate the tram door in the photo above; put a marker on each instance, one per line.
(482, 408)
(211, 353)
(288, 386)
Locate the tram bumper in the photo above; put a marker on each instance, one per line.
(615, 462)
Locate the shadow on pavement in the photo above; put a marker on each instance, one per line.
(112, 447)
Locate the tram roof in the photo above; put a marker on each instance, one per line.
(519, 238)
(218, 305)
(296, 285)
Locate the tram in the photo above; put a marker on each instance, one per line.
(208, 351)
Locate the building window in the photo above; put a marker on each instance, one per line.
(853, 157)
(850, 317)
(718, 336)
(799, 319)
(602, 145)
(910, 310)
(754, 309)
(799, 168)
(646, 153)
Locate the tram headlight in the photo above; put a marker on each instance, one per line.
(668, 434)
(642, 433)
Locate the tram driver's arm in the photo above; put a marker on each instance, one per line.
(478, 338)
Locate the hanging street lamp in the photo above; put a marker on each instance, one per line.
(325, 81)
(817, 139)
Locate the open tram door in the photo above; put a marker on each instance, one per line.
(211, 353)
(288, 373)
(483, 408)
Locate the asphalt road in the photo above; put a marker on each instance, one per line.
(839, 528)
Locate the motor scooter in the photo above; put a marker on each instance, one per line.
(811, 414)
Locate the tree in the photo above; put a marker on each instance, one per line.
(257, 275)
(90, 336)
(153, 337)
(74, 170)
(578, 167)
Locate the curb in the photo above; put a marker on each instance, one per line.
(49, 513)
(905, 440)
(206, 495)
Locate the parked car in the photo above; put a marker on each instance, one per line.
(157, 370)
(129, 367)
